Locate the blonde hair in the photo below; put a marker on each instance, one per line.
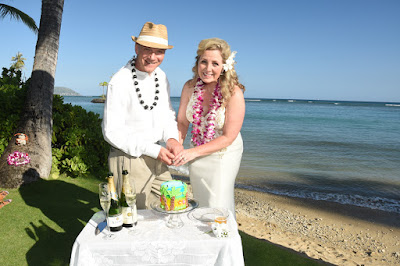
(229, 78)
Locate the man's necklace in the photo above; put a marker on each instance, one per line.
(139, 94)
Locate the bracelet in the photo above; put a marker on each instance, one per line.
(18, 158)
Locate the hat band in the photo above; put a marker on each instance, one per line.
(153, 39)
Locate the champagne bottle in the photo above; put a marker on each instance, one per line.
(128, 201)
(114, 213)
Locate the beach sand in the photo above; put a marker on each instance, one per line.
(330, 232)
(334, 233)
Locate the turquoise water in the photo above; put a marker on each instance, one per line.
(346, 152)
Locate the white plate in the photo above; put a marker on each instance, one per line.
(207, 214)
(192, 205)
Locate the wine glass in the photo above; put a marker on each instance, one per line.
(130, 197)
(105, 201)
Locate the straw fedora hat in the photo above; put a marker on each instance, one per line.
(154, 36)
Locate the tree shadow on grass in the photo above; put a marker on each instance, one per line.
(65, 204)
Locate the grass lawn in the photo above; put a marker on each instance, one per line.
(39, 227)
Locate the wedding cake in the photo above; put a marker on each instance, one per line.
(173, 195)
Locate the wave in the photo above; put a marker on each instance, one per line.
(377, 203)
(256, 100)
(335, 102)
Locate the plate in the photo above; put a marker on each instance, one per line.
(207, 214)
(192, 205)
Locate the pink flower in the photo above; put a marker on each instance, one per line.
(204, 133)
(18, 158)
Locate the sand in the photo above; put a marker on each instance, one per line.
(330, 232)
(333, 233)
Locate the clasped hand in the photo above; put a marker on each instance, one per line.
(168, 154)
(174, 154)
(183, 157)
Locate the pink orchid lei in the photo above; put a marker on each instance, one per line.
(201, 134)
(18, 158)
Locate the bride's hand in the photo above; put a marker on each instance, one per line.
(184, 157)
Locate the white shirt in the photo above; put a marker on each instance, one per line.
(126, 125)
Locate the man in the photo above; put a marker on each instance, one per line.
(138, 115)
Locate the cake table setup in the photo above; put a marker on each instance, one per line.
(174, 231)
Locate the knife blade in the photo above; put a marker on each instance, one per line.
(100, 227)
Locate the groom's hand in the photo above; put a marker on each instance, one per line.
(174, 146)
(165, 156)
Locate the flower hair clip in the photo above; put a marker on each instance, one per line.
(229, 62)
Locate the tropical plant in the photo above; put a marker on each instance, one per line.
(19, 61)
(36, 120)
(12, 98)
(77, 149)
(6, 10)
(103, 84)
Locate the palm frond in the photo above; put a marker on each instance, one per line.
(13, 13)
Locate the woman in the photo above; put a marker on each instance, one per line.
(213, 102)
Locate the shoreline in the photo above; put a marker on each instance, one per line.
(326, 231)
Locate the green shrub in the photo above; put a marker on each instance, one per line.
(12, 98)
(78, 146)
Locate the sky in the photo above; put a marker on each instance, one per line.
(286, 49)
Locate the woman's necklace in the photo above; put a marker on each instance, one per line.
(204, 134)
(138, 93)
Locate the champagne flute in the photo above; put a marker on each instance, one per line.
(130, 197)
(105, 201)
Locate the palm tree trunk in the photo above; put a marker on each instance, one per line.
(37, 120)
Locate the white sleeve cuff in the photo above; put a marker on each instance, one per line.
(171, 133)
(152, 150)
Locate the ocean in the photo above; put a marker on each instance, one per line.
(339, 151)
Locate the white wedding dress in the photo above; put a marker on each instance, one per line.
(213, 176)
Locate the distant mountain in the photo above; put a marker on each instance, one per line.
(65, 91)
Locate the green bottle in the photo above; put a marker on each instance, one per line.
(115, 212)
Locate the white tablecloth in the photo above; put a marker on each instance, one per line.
(156, 244)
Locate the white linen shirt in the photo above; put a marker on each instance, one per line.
(126, 125)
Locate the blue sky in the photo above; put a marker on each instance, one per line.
(299, 49)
